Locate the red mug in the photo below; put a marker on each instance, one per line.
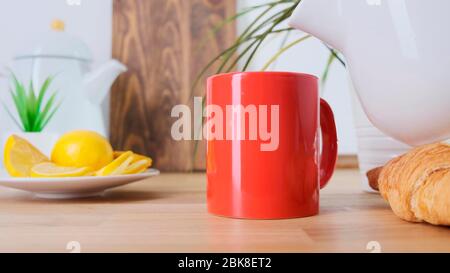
(251, 176)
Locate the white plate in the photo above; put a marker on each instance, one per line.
(73, 187)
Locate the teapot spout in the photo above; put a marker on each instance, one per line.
(321, 18)
(97, 83)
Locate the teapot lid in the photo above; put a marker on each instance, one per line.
(58, 44)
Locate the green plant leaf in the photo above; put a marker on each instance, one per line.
(22, 98)
(326, 71)
(42, 117)
(336, 55)
(248, 48)
(215, 59)
(29, 105)
(283, 43)
(233, 18)
(42, 92)
(12, 117)
(229, 52)
(286, 14)
(249, 32)
(49, 117)
(19, 99)
(245, 36)
(283, 50)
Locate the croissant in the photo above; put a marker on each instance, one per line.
(417, 184)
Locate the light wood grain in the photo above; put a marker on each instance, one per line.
(168, 214)
(347, 162)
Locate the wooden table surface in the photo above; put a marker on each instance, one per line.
(168, 214)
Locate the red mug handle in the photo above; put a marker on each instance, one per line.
(329, 143)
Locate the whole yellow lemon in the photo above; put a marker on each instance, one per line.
(82, 149)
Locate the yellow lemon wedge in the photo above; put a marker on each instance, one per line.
(139, 163)
(20, 156)
(51, 170)
(82, 149)
(118, 166)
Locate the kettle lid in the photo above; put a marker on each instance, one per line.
(58, 44)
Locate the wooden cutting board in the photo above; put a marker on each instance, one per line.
(164, 43)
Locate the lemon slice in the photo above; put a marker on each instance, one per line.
(20, 156)
(51, 170)
(139, 164)
(137, 157)
(116, 154)
(118, 166)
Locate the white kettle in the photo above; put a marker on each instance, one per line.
(398, 56)
(79, 89)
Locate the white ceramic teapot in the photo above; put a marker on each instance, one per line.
(79, 90)
(398, 56)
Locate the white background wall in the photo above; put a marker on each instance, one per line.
(24, 21)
